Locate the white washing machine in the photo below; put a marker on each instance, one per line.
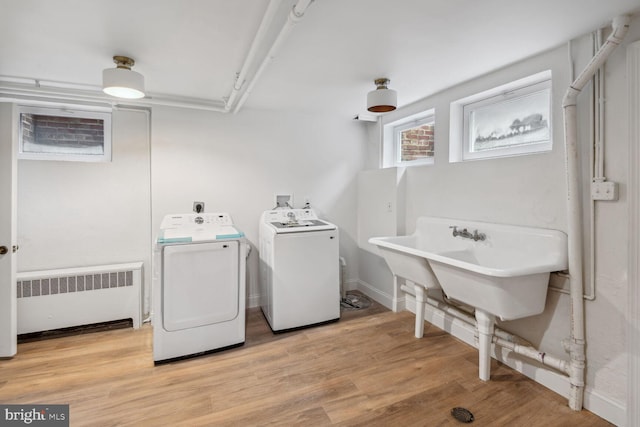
(198, 285)
(299, 275)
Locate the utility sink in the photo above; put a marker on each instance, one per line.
(501, 269)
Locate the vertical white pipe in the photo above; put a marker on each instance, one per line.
(600, 99)
(343, 279)
(420, 300)
(576, 344)
(597, 162)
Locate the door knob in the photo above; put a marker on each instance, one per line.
(3, 250)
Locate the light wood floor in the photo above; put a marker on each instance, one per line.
(367, 370)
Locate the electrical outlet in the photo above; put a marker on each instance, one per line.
(606, 190)
(198, 207)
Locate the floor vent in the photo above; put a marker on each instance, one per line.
(462, 414)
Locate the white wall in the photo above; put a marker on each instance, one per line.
(73, 214)
(236, 163)
(531, 190)
(76, 214)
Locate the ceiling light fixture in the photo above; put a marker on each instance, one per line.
(121, 81)
(382, 99)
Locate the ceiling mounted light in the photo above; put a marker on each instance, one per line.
(382, 99)
(121, 81)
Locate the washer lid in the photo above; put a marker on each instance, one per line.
(301, 226)
(295, 221)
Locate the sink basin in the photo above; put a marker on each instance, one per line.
(506, 274)
(405, 257)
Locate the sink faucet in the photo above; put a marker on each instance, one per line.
(475, 236)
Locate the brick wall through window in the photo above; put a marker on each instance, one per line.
(417, 143)
(62, 131)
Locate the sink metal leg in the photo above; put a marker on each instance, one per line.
(486, 323)
(420, 301)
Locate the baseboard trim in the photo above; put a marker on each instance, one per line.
(380, 297)
(253, 301)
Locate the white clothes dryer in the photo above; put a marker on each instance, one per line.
(299, 269)
(198, 285)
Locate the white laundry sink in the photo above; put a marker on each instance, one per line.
(501, 270)
(504, 270)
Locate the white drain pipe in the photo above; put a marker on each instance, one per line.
(343, 280)
(575, 345)
(500, 337)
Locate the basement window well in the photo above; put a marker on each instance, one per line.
(509, 120)
(410, 140)
(64, 134)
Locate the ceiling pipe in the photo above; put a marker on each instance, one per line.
(15, 86)
(253, 50)
(295, 15)
(59, 91)
(27, 87)
(575, 345)
(182, 102)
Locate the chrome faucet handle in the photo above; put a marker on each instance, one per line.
(455, 230)
(478, 236)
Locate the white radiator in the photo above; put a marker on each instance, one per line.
(63, 298)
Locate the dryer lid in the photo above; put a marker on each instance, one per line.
(197, 228)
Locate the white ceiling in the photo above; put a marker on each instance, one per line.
(195, 48)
